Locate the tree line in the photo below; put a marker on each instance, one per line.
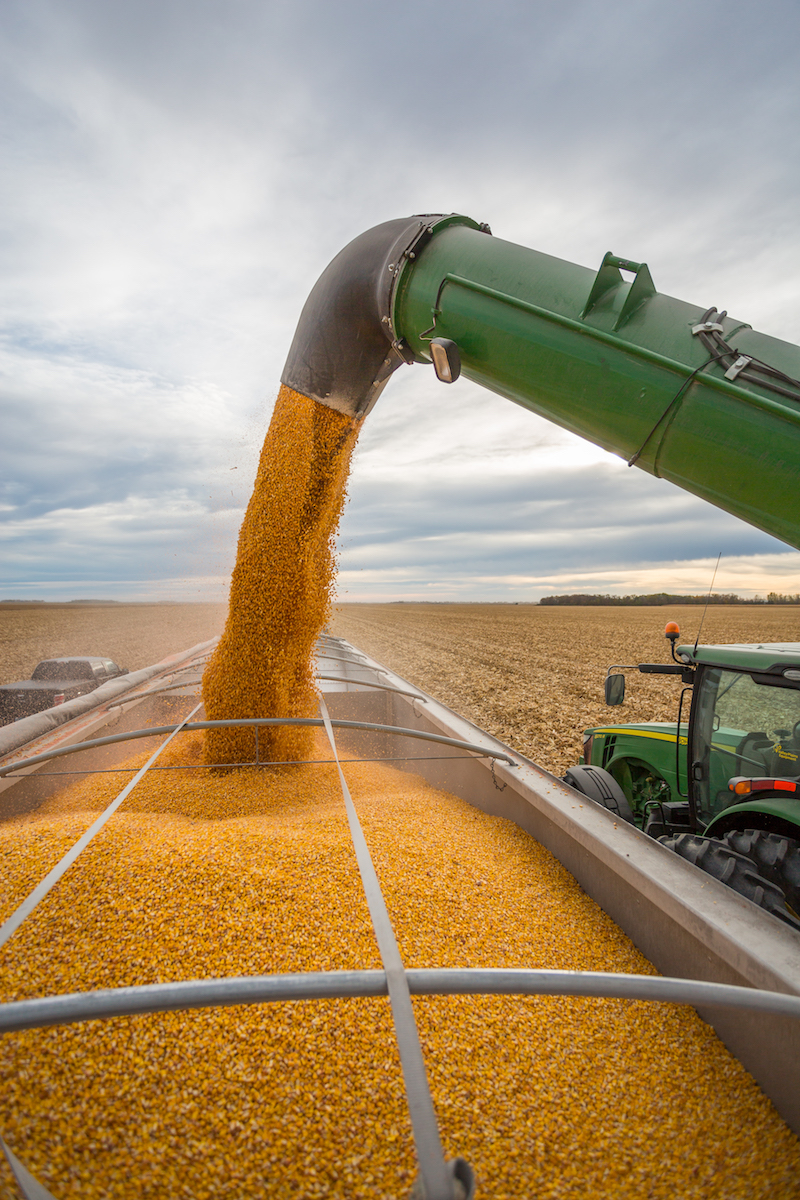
(661, 598)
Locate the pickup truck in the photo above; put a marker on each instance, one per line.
(54, 681)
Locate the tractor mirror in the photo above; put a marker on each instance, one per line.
(615, 689)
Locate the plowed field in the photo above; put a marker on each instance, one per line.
(533, 676)
(134, 635)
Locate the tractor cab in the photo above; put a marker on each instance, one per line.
(735, 765)
(744, 736)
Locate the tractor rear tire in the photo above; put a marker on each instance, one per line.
(776, 857)
(735, 870)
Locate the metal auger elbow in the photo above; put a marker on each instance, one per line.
(346, 346)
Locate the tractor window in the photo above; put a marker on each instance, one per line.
(743, 727)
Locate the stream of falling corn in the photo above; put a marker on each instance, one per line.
(202, 874)
(282, 583)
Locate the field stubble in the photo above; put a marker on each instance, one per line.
(133, 635)
(533, 676)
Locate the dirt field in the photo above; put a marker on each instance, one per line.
(134, 635)
(534, 676)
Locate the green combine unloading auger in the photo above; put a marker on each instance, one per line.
(680, 390)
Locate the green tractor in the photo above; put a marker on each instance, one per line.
(721, 786)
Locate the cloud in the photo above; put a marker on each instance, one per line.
(457, 482)
(113, 469)
(748, 576)
(72, 427)
(176, 176)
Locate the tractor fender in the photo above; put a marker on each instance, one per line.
(600, 786)
(772, 812)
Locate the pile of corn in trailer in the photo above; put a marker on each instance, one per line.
(305, 911)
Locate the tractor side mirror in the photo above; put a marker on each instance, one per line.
(615, 689)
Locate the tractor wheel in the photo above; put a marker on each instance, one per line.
(601, 787)
(777, 858)
(735, 870)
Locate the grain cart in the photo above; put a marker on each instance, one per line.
(680, 390)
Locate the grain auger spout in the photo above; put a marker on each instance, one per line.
(681, 390)
(346, 346)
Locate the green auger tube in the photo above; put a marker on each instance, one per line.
(681, 390)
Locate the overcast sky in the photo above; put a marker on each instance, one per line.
(177, 173)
